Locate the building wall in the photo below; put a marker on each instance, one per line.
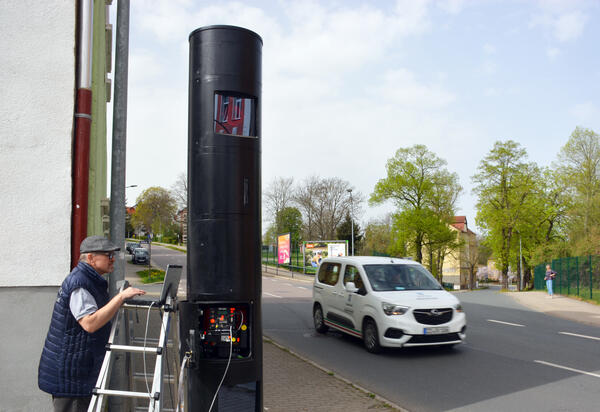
(456, 267)
(24, 330)
(37, 39)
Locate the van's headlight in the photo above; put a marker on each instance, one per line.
(391, 309)
(459, 308)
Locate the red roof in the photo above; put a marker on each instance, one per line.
(460, 223)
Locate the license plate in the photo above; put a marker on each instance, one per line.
(435, 331)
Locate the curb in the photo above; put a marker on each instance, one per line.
(390, 405)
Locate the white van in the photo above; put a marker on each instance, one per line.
(385, 301)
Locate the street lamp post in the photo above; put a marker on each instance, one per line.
(127, 218)
(520, 263)
(351, 221)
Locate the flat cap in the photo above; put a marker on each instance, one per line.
(97, 244)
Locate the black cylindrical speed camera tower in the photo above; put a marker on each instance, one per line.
(220, 322)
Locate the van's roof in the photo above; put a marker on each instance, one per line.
(370, 260)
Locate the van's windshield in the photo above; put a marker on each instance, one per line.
(391, 277)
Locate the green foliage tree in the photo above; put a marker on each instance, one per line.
(579, 165)
(506, 189)
(155, 210)
(377, 238)
(344, 232)
(425, 194)
(270, 236)
(289, 219)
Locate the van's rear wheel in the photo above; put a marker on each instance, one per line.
(318, 319)
(371, 337)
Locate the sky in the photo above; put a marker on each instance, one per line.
(347, 83)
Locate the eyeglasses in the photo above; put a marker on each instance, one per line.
(110, 255)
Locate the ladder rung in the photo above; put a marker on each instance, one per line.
(150, 342)
(139, 376)
(126, 394)
(126, 348)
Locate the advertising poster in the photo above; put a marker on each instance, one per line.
(316, 251)
(283, 249)
(336, 249)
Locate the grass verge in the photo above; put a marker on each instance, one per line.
(152, 276)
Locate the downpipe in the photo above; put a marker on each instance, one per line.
(83, 123)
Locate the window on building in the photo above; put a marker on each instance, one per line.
(242, 119)
(237, 108)
(224, 108)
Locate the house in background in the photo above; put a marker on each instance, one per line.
(56, 58)
(456, 264)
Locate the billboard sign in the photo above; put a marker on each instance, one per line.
(284, 249)
(315, 251)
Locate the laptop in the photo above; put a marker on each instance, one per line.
(169, 288)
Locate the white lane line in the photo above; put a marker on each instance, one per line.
(579, 336)
(270, 294)
(595, 375)
(506, 323)
(273, 280)
(302, 287)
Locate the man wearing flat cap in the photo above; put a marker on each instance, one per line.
(75, 345)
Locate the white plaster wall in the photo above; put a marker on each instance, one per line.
(37, 85)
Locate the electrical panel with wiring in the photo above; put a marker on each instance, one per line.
(223, 329)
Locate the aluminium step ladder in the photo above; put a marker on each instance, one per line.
(155, 396)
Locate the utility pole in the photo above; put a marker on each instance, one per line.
(117, 183)
(351, 221)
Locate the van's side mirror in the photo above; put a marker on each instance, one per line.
(351, 287)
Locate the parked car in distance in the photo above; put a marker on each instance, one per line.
(387, 302)
(140, 255)
(132, 245)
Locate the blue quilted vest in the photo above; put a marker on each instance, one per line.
(71, 358)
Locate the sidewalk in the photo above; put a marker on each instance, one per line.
(291, 383)
(560, 306)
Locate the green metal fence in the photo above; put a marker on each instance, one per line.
(577, 276)
(269, 257)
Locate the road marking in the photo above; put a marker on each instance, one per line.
(273, 280)
(595, 375)
(579, 336)
(288, 284)
(270, 294)
(302, 287)
(506, 323)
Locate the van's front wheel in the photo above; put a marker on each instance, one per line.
(371, 337)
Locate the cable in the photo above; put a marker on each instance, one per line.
(180, 401)
(166, 354)
(144, 352)
(242, 321)
(226, 368)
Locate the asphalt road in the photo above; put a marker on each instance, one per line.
(514, 358)
(162, 256)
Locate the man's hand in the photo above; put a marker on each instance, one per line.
(131, 292)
